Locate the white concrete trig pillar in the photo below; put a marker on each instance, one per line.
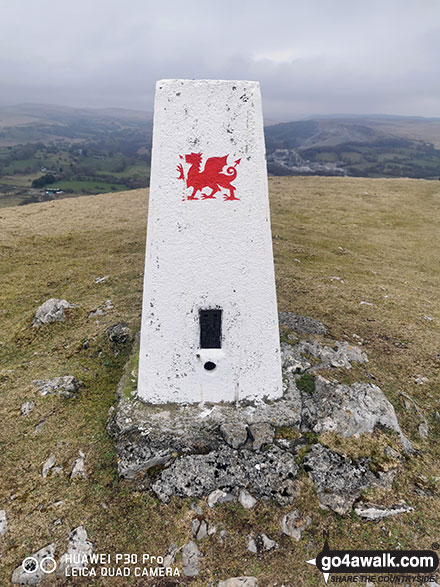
(209, 320)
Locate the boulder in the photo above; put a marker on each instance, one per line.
(302, 324)
(371, 511)
(260, 543)
(190, 559)
(78, 467)
(34, 574)
(271, 474)
(119, 333)
(48, 465)
(234, 433)
(341, 354)
(293, 524)
(339, 481)
(246, 499)
(52, 310)
(262, 433)
(27, 407)
(350, 410)
(66, 386)
(78, 547)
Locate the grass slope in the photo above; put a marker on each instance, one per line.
(378, 236)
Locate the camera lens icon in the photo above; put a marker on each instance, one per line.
(46, 565)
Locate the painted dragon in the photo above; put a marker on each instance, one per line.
(212, 176)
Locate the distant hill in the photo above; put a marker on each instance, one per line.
(50, 151)
(369, 146)
(27, 123)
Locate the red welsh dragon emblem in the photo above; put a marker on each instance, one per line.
(212, 176)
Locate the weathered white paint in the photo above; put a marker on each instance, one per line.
(208, 253)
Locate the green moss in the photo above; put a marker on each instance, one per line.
(286, 432)
(306, 383)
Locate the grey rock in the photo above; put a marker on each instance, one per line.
(190, 559)
(239, 582)
(48, 465)
(262, 433)
(234, 433)
(261, 542)
(293, 524)
(252, 545)
(270, 474)
(66, 386)
(202, 532)
(194, 526)
(246, 499)
(212, 529)
(391, 453)
(32, 577)
(215, 497)
(78, 467)
(302, 324)
(371, 511)
(349, 410)
(78, 546)
(196, 508)
(292, 361)
(52, 310)
(27, 407)
(424, 430)
(101, 312)
(39, 426)
(170, 556)
(3, 522)
(119, 333)
(150, 436)
(199, 529)
(339, 481)
(342, 354)
(96, 313)
(268, 543)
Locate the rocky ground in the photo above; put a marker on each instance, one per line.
(253, 452)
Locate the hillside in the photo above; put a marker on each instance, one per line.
(84, 151)
(386, 146)
(354, 253)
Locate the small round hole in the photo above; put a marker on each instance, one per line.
(209, 365)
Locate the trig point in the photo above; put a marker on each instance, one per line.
(209, 319)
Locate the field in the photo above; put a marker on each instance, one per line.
(337, 242)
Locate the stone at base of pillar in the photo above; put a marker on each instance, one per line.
(220, 450)
(190, 450)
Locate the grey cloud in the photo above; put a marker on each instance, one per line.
(311, 58)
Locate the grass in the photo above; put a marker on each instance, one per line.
(92, 187)
(378, 236)
(306, 383)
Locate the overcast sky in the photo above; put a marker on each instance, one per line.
(311, 56)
